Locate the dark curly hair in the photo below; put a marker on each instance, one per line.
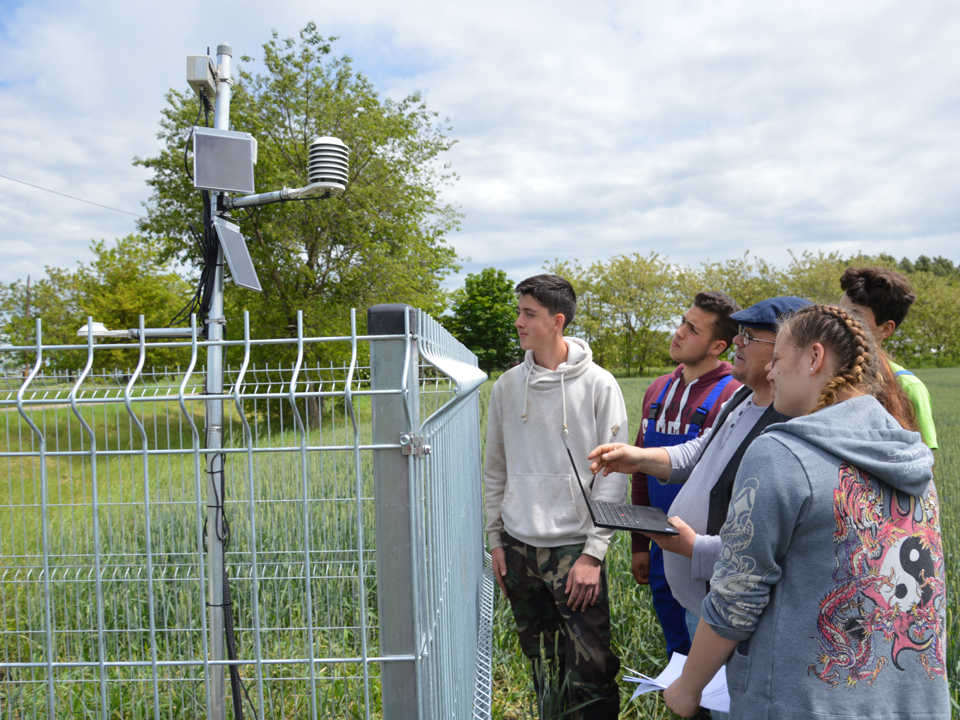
(886, 292)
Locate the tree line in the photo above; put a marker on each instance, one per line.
(627, 305)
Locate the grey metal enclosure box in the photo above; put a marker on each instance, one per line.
(223, 160)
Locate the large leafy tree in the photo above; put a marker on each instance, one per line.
(484, 311)
(383, 240)
(939, 266)
(746, 279)
(930, 334)
(645, 295)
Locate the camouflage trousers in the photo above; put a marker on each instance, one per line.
(536, 582)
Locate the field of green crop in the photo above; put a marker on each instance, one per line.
(177, 600)
(636, 632)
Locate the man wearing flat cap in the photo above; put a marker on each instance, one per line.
(708, 465)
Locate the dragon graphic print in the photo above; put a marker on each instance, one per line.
(888, 605)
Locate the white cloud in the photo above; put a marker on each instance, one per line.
(693, 129)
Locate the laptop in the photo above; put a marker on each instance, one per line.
(623, 517)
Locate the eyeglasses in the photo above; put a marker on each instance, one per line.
(748, 338)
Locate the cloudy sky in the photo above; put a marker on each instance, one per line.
(699, 130)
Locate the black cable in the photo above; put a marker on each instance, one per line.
(200, 301)
(235, 683)
(222, 528)
(186, 145)
(193, 305)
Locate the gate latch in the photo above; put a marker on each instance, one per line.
(411, 444)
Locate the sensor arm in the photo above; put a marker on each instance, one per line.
(319, 189)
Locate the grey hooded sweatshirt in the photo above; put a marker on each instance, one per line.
(530, 490)
(832, 573)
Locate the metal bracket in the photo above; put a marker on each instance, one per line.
(411, 444)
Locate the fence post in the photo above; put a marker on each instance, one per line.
(394, 365)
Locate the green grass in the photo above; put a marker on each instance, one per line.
(637, 637)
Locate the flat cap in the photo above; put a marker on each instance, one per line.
(767, 313)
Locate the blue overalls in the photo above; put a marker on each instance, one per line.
(671, 614)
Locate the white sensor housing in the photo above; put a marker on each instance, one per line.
(327, 166)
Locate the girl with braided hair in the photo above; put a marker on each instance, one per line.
(828, 600)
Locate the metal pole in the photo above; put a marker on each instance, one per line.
(394, 364)
(214, 424)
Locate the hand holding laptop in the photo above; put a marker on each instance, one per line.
(681, 544)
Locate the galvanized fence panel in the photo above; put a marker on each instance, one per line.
(104, 575)
(459, 613)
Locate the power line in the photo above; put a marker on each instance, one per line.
(89, 202)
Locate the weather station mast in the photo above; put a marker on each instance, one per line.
(223, 165)
(223, 172)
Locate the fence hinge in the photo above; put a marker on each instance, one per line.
(411, 444)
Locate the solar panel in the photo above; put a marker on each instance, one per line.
(237, 255)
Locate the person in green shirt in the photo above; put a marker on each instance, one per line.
(881, 298)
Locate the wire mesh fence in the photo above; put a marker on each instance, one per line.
(105, 572)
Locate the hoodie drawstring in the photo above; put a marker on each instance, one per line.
(563, 398)
(662, 420)
(563, 401)
(526, 384)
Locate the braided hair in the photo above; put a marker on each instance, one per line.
(852, 347)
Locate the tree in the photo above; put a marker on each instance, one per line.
(930, 334)
(123, 281)
(644, 295)
(940, 266)
(747, 280)
(484, 311)
(593, 321)
(54, 301)
(383, 240)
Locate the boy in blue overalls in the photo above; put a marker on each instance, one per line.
(676, 408)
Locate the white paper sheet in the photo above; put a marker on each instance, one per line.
(715, 695)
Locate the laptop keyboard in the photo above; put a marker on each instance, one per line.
(611, 513)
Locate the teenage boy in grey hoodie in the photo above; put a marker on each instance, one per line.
(547, 554)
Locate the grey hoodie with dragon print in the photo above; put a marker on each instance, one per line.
(832, 572)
